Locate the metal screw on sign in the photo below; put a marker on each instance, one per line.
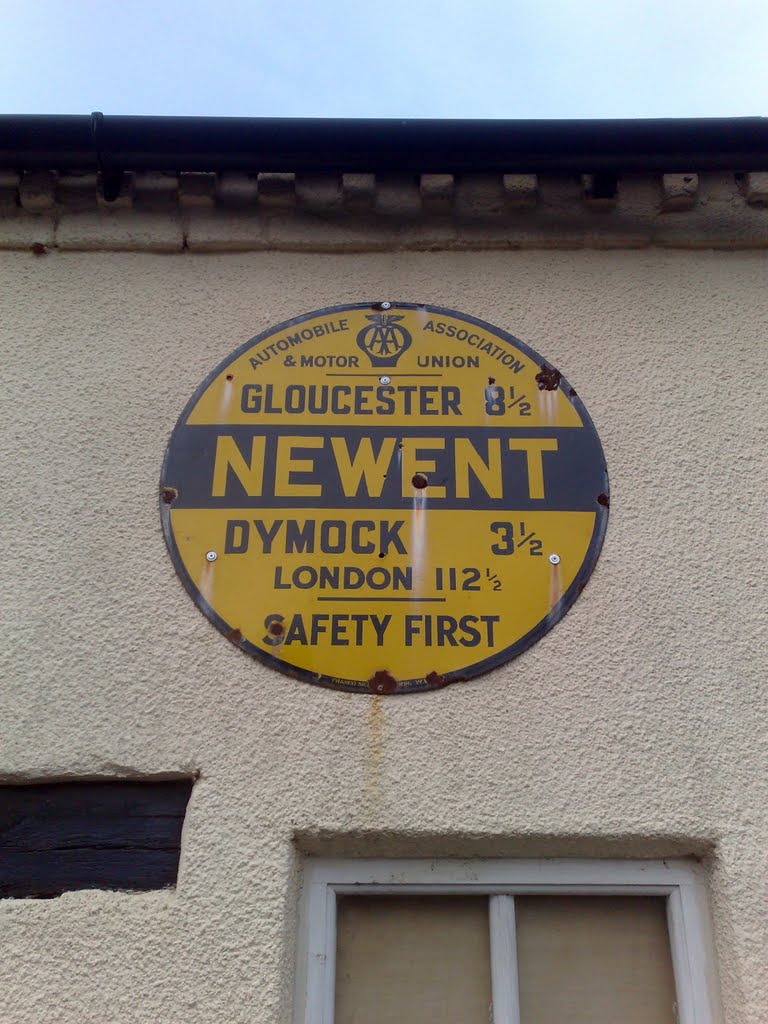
(554, 559)
(386, 305)
(211, 556)
(384, 380)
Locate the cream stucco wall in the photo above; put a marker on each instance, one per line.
(637, 727)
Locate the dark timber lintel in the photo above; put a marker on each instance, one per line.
(90, 835)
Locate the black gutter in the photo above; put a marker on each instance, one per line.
(113, 144)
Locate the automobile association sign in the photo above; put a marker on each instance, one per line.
(384, 497)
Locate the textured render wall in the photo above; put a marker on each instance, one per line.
(636, 727)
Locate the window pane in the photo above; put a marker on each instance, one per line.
(413, 959)
(594, 960)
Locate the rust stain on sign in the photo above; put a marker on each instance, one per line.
(382, 682)
(548, 378)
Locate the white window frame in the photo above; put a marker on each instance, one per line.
(679, 881)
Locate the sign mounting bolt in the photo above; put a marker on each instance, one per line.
(386, 305)
(211, 556)
(554, 559)
(384, 380)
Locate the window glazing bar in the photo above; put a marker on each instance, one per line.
(504, 984)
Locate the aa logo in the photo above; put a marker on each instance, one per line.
(384, 340)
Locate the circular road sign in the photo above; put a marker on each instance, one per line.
(384, 497)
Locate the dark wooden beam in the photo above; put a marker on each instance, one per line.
(56, 837)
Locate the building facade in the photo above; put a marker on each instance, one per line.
(629, 738)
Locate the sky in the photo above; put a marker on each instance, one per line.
(402, 58)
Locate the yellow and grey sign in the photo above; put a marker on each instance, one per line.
(384, 497)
